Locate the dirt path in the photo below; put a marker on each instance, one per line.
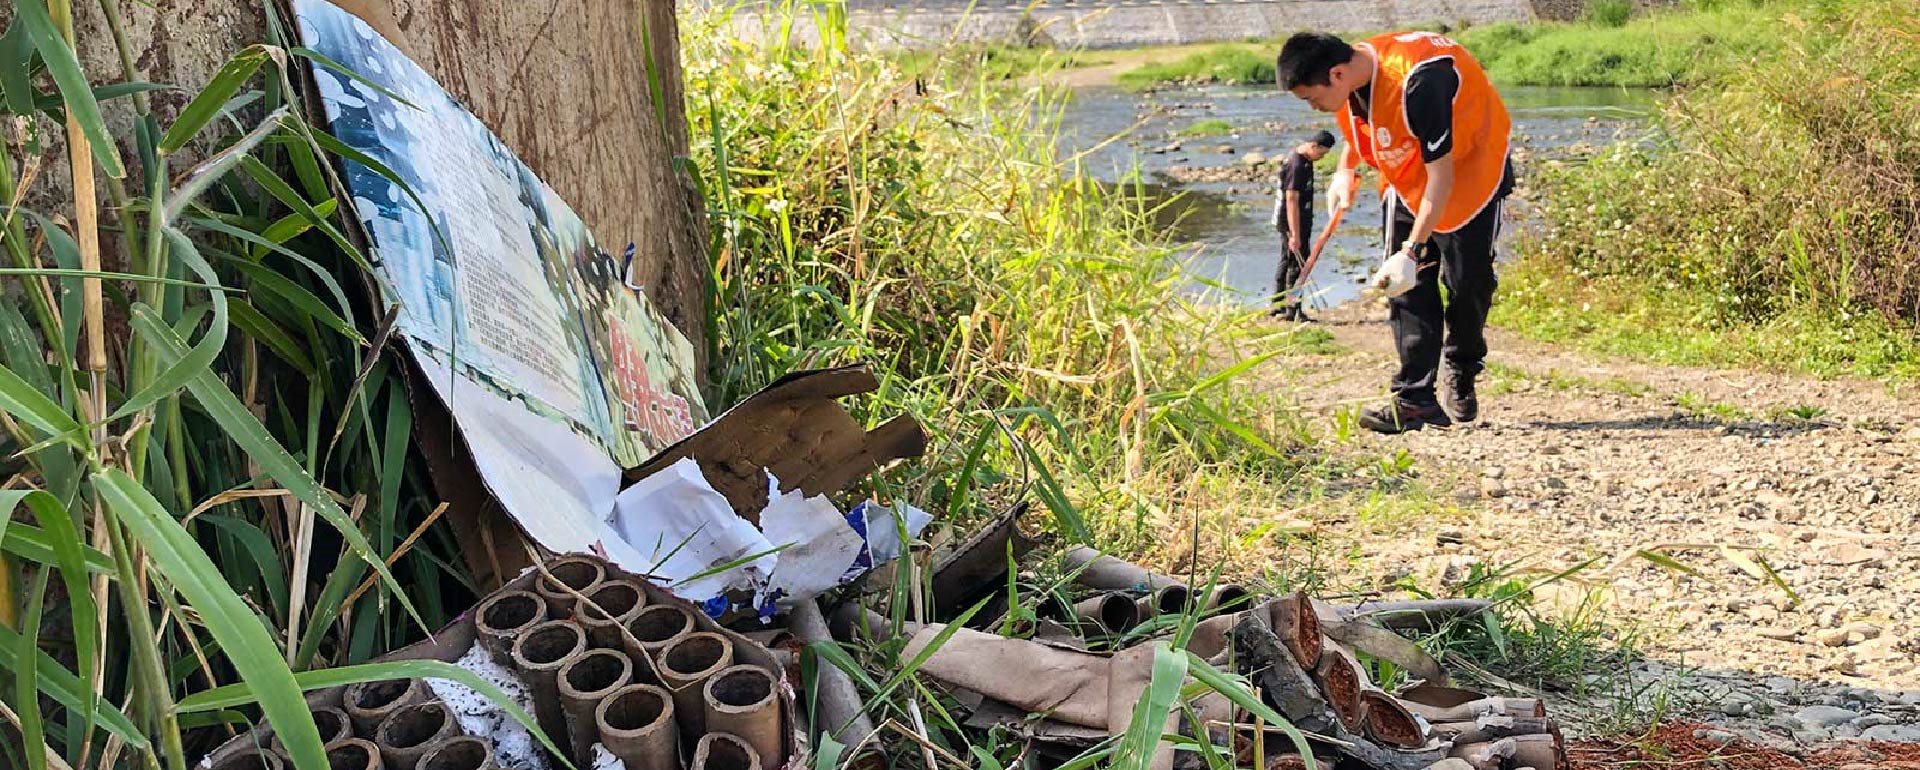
(1577, 458)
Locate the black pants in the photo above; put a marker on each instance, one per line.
(1424, 329)
(1291, 263)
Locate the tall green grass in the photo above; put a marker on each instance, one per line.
(1772, 219)
(1029, 316)
(207, 456)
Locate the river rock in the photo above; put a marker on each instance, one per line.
(1834, 637)
(1253, 159)
(1823, 717)
(1893, 733)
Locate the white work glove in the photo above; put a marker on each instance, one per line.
(1340, 192)
(1397, 275)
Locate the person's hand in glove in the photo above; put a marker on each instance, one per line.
(1398, 274)
(1340, 191)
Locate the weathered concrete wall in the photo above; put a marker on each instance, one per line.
(1570, 10)
(1168, 22)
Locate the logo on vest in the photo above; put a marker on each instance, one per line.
(1382, 137)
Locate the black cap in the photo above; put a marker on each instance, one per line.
(1324, 139)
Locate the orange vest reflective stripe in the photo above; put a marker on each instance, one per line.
(1383, 139)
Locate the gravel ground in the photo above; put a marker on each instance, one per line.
(1576, 457)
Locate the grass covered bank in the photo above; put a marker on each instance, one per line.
(1773, 221)
(1613, 47)
(1030, 317)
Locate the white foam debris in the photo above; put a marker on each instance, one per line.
(513, 746)
(605, 760)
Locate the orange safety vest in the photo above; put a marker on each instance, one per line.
(1383, 139)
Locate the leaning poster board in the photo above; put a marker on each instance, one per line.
(557, 373)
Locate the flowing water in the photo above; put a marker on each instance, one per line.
(1213, 201)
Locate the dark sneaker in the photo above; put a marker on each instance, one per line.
(1399, 417)
(1457, 395)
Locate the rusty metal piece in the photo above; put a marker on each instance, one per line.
(354, 754)
(461, 753)
(369, 703)
(743, 701)
(406, 735)
(623, 599)
(580, 573)
(720, 751)
(685, 667)
(637, 725)
(503, 617)
(584, 682)
(539, 655)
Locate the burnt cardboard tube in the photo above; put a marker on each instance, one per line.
(836, 701)
(1227, 597)
(1168, 600)
(720, 751)
(610, 606)
(259, 759)
(1101, 572)
(584, 682)
(368, 703)
(332, 723)
(503, 617)
(741, 701)
(651, 630)
(539, 655)
(686, 665)
(637, 725)
(580, 573)
(1114, 613)
(407, 734)
(353, 754)
(462, 753)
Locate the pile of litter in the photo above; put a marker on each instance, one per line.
(1076, 677)
(618, 673)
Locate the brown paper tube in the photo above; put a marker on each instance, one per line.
(1101, 572)
(685, 666)
(539, 654)
(580, 573)
(836, 701)
(407, 734)
(1228, 597)
(462, 753)
(1168, 600)
(1518, 708)
(353, 754)
(1339, 680)
(1298, 626)
(652, 629)
(256, 759)
(637, 725)
(503, 617)
(1485, 756)
(720, 751)
(622, 599)
(1389, 722)
(1113, 613)
(1540, 752)
(584, 682)
(741, 701)
(332, 723)
(368, 703)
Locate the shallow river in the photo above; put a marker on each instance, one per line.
(1221, 207)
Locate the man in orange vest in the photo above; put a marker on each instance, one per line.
(1418, 108)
